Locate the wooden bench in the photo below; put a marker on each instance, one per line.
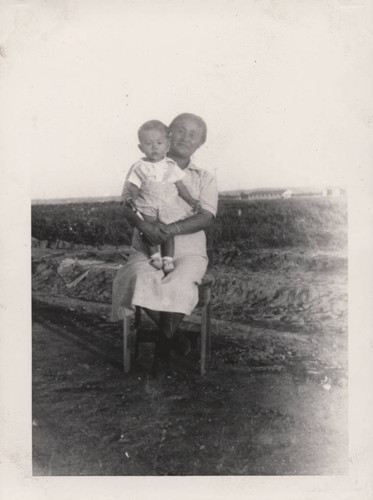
(131, 338)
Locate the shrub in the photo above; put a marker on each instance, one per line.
(275, 223)
(81, 223)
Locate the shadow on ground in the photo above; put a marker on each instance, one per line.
(269, 405)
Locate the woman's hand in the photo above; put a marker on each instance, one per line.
(201, 220)
(153, 232)
(169, 229)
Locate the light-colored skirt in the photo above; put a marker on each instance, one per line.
(138, 283)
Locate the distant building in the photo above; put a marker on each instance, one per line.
(268, 194)
(256, 194)
(302, 194)
(334, 191)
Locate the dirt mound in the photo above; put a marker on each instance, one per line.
(275, 289)
(240, 256)
(88, 280)
(293, 298)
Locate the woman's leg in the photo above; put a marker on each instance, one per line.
(169, 323)
(154, 315)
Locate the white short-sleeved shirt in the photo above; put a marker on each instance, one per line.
(202, 186)
(158, 194)
(165, 170)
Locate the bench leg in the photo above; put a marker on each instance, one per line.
(204, 333)
(208, 332)
(137, 327)
(126, 344)
(205, 330)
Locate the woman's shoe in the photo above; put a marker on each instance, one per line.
(181, 344)
(161, 361)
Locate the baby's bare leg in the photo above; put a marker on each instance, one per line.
(168, 247)
(153, 249)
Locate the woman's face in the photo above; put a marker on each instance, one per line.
(186, 137)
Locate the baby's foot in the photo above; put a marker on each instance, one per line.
(168, 265)
(156, 261)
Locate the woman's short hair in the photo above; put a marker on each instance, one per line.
(153, 125)
(196, 118)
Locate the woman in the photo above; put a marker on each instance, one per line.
(167, 299)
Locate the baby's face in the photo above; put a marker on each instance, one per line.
(154, 144)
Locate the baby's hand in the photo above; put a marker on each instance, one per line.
(129, 204)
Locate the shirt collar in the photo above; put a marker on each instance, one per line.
(191, 166)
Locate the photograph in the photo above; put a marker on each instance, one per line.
(189, 216)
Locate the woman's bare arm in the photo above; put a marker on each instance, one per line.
(185, 195)
(156, 233)
(197, 222)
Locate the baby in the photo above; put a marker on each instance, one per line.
(154, 188)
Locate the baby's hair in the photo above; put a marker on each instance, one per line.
(153, 125)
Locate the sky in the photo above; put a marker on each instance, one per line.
(285, 88)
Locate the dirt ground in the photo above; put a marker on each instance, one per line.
(273, 402)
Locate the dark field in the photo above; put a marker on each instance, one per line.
(305, 222)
